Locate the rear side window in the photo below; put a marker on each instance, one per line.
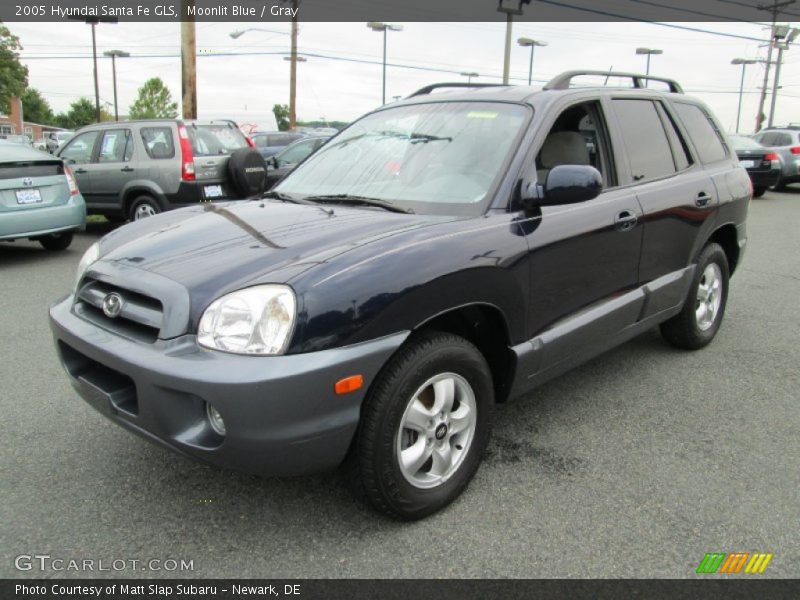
(783, 139)
(703, 132)
(158, 142)
(117, 146)
(648, 148)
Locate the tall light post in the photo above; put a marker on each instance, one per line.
(114, 54)
(525, 42)
(293, 58)
(507, 7)
(649, 52)
(385, 28)
(93, 21)
(469, 75)
(744, 62)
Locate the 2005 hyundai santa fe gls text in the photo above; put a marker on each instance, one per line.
(440, 255)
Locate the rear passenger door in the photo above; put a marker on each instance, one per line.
(114, 167)
(676, 193)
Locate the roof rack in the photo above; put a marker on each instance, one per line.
(562, 82)
(457, 84)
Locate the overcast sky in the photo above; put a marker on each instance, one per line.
(246, 87)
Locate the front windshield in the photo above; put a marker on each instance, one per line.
(437, 158)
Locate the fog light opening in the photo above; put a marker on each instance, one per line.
(215, 420)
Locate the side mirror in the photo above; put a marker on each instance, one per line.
(273, 162)
(566, 184)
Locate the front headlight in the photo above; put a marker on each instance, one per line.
(256, 320)
(87, 260)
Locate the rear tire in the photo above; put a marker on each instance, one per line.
(56, 241)
(758, 192)
(780, 185)
(699, 320)
(424, 427)
(143, 207)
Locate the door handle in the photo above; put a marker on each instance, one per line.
(127, 169)
(626, 220)
(702, 199)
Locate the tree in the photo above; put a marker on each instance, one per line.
(154, 102)
(36, 109)
(13, 74)
(80, 113)
(281, 112)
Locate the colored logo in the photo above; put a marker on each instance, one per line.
(720, 562)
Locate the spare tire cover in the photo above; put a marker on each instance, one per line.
(248, 172)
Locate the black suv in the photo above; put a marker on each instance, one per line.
(440, 255)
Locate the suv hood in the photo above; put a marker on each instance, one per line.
(223, 246)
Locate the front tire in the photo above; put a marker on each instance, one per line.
(699, 320)
(424, 427)
(759, 191)
(56, 241)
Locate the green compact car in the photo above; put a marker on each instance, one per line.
(39, 198)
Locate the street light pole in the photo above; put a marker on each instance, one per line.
(509, 12)
(93, 21)
(649, 52)
(469, 75)
(114, 54)
(524, 42)
(385, 28)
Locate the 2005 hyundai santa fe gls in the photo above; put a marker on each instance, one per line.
(440, 255)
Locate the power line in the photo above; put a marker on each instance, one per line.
(692, 12)
(754, 6)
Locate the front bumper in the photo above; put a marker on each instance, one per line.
(281, 414)
(20, 224)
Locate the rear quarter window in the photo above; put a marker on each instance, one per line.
(703, 132)
(158, 142)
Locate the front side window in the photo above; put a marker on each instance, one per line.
(643, 132)
(436, 158)
(79, 150)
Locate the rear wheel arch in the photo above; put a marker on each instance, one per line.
(727, 237)
(131, 194)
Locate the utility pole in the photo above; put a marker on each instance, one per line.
(188, 63)
(114, 54)
(790, 35)
(775, 10)
(509, 12)
(293, 71)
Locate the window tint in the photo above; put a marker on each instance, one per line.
(158, 142)
(702, 131)
(117, 146)
(683, 158)
(645, 139)
(79, 150)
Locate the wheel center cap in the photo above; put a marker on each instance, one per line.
(441, 431)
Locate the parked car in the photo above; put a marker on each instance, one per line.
(785, 141)
(55, 139)
(325, 131)
(20, 140)
(40, 144)
(763, 164)
(279, 165)
(136, 169)
(270, 143)
(372, 314)
(39, 199)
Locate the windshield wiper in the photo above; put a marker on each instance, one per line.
(359, 200)
(286, 198)
(424, 138)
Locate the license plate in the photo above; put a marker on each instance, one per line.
(29, 196)
(747, 164)
(213, 191)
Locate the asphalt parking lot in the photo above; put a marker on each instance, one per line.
(634, 465)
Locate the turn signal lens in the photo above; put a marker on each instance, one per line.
(349, 384)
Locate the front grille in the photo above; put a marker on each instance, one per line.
(140, 318)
